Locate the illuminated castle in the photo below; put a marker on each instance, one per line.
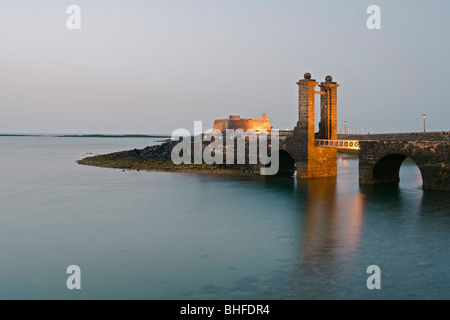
(236, 122)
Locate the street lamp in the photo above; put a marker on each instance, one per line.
(424, 116)
(345, 128)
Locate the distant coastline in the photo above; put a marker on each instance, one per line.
(88, 135)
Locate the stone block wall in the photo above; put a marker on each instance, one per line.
(236, 122)
(311, 161)
(380, 161)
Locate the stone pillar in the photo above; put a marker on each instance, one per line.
(303, 139)
(328, 109)
(306, 115)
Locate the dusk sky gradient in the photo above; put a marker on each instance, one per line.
(154, 66)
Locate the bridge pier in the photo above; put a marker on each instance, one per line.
(312, 161)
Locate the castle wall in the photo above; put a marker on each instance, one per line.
(235, 122)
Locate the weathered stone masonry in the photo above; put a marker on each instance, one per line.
(311, 161)
(408, 136)
(380, 161)
(236, 122)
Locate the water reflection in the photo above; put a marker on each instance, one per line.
(435, 203)
(318, 235)
(331, 227)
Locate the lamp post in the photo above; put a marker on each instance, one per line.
(345, 127)
(424, 116)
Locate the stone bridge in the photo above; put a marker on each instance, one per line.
(380, 161)
(314, 155)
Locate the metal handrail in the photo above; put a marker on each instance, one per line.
(337, 144)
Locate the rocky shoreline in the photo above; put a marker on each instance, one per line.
(158, 158)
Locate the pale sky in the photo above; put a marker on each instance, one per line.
(154, 66)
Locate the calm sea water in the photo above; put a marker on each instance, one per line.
(149, 235)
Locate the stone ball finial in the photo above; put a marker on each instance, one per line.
(307, 76)
(328, 78)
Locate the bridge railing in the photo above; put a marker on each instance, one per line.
(338, 144)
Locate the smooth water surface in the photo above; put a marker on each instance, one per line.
(150, 235)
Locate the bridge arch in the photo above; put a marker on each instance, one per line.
(387, 168)
(287, 163)
(380, 161)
